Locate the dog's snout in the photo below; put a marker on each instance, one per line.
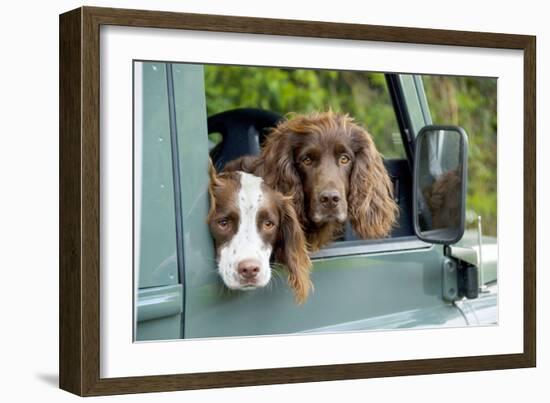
(329, 198)
(248, 269)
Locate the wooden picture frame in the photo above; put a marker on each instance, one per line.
(79, 200)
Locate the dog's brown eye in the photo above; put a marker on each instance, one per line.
(344, 159)
(307, 160)
(269, 224)
(223, 223)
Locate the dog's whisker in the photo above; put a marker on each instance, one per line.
(277, 275)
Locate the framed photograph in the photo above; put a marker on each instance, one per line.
(248, 201)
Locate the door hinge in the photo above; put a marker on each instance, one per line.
(460, 279)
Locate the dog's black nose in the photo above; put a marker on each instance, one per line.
(248, 269)
(329, 198)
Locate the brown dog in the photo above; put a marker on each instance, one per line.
(331, 167)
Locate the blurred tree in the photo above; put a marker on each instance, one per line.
(362, 95)
(471, 102)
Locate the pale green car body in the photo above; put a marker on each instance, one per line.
(359, 285)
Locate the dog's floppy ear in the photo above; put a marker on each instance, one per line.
(247, 163)
(211, 171)
(214, 182)
(371, 207)
(291, 250)
(276, 166)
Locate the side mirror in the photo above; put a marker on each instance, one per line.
(440, 184)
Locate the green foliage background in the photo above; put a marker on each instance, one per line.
(471, 103)
(464, 101)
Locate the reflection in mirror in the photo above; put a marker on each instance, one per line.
(440, 184)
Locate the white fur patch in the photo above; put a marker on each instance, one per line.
(247, 242)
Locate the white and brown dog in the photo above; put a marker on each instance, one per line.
(249, 222)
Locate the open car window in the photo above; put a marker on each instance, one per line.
(248, 92)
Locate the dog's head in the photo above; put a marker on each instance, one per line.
(249, 222)
(333, 167)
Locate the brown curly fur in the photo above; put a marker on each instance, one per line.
(291, 250)
(371, 208)
(442, 198)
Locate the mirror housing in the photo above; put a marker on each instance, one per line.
(440, 184)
